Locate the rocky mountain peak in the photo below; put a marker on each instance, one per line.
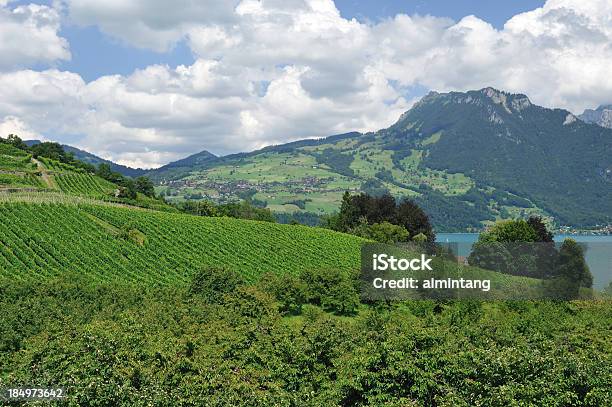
(601, 116)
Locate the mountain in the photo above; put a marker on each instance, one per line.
(468, 158)
(179, 168)
(87, 157)
(601, 116)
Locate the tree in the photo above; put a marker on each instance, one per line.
(381, 209)
(145, 186)
(415, 220)
(333, 290)
(542, 233)
(104, 171)
(349, 214)
(359, 213)
(492, 256)
(127, 190)
(51, 150)
(572, 264)
(246, 210)
(289, 290)
(547, 255)
(199, 208)
(386, 232)
(509, 247)
(510, 231)
(16, 142)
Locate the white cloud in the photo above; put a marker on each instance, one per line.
(14, 125)
(155, 24)
(29, 35)
(274, 71)
(560, 55)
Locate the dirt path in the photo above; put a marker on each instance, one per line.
(48, 179)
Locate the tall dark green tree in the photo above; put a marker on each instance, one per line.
(414, 219)
(542, 232)
(363, 210)
(572, 264)
(546, 252)
(145, 186)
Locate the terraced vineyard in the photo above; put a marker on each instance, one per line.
(76, 181)
(110, 243)
(17, 169)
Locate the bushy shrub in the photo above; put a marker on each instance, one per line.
(333, 290)
(290, 291)
(211, 283)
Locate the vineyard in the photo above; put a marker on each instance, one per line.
(83, 184)
(110, 243)
(16, 169)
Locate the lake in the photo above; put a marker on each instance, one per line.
(598, 252)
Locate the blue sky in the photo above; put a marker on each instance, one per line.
(495, 12)
(144, 83)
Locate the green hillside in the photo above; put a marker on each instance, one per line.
(55, 217)
(467, 158)
(17, 170)
(124, 305)
(22, 175)
(109, 242)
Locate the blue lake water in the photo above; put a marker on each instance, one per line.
(598, 252)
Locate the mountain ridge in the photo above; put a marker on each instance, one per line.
(479, 155)
(601, 116)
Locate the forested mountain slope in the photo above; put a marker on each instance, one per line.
(467, 158)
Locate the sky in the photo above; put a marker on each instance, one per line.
(144, 83)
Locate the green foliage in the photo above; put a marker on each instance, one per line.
(509, 231)
(51, 150)
(359, 213)
(415, 220)
(383, 232)
(337, 161)
(127, 189)
(289, 290)
(83, 184)
(420, 238)
(542, 232)
(198, 208)
(302, 218)
(333, 290)
(15, 141)
(112, 344)
(145, 186)
(509, 247)
(211, 283)
(245, 210)
(20, 181)
(572, 264)
(43, 240)
(239, 210)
